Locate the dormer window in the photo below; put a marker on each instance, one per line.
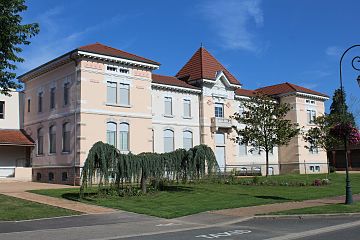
(123, 70)
(308, 101)
(112, 69)
(115, 69)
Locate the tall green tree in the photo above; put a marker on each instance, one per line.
(13, 34)
(339, 112)
(266, 125)
(322, 134)
(319, 136)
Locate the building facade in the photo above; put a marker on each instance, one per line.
(98, 93)
(15, 144)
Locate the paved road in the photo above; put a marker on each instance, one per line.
(202, 226)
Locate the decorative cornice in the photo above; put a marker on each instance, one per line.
(171, 87)
(117, 60)
(76, 54)
(302, 94)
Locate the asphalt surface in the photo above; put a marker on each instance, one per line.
(122, 225)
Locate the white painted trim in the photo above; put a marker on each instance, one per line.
(117, 59)
(177, 123)
(46, 67)
(307, 95)
(111, 113)
(175, 87)
(241, 97)
(214, 81)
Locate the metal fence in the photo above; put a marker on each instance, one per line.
(275, 169)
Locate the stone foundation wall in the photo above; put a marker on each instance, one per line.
(58, 175)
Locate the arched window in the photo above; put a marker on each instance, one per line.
(66, 137)
(187, 139)
(51, 176)
(124, 137)
(168, 140)
(64, 176)
(52, 139)
(40, 141)
(111, 133)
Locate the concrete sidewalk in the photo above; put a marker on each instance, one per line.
(276, 207)
(18, 190)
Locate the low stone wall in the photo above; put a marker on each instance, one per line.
(23, 174)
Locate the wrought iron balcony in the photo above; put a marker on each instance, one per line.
(219, 122)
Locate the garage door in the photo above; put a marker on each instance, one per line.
(7, 172)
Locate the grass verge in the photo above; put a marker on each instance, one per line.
(180, 200)
(14, 209)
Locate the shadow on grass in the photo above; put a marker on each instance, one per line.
(273, 198)
(76, 196)
(176, 189)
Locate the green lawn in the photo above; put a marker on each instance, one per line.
(12, 209)
(182, 200)
(328, 209)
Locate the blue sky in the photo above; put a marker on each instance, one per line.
(260, 42)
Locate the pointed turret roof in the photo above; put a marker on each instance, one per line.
(202, 65)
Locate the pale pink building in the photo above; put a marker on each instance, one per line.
(98, 93)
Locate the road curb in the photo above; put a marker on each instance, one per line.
(306, 216)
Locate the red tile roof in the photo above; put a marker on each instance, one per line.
(286, 87)
(245, 92)
(113, 52)
(173, 81)
(203, 65)
(15, 137)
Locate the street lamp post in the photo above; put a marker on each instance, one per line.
(349, 199)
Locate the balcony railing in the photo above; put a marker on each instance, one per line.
(219, 122)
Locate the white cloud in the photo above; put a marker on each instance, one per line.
(234, 22)
(333, 51)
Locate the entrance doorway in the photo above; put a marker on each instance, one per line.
(220, 157)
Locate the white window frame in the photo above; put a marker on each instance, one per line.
(310, 116)
(124, 130)
(40, 102)
(168, 100)
(245, 147)
(111, 86)
(109, 130)
(169, 137)
(219, 106)
(186, 138)
(40, 144)
(187, 107)
(126, 88)
(218, 141)
(66, 137)
(52, 98)
(52, 139)
(66, 93)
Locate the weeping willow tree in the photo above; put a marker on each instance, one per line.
(109, 167)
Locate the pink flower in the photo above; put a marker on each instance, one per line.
(342, 130)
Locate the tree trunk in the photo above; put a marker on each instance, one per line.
(143, 182)
(267, 162)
